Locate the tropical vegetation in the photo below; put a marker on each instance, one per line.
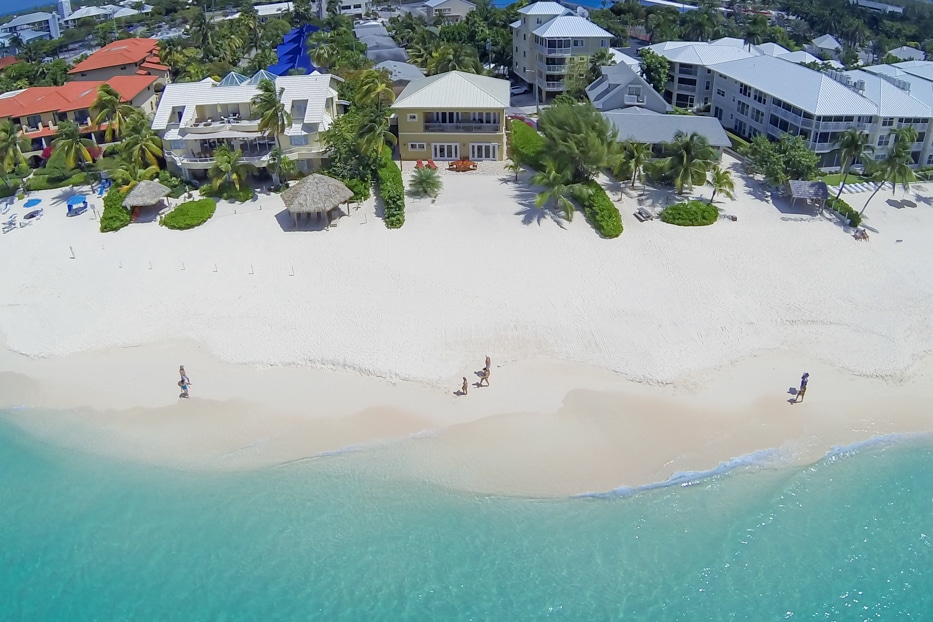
(114, 216)
(690, 214)
(526, 145)
(854, 147)
(426, 181)
(391, 189)
(189, 215)
(721, 182)
(895, 168)
(690, 159)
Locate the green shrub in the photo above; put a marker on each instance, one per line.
(10, 188)
(189, 215)
(690, 214)
(601, 212)
(115, 216)
(737, 141)
(359, 187)
(845, 210)
(391, 189)
(55, 180)
(228, 192)
(527, 144)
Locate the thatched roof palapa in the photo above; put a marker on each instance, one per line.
(315, 194)
(145, 193)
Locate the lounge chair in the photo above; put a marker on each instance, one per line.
(419, 164)
(431, 165)
(645, 214)
(10, 224)
(638, 216)
(31, 217)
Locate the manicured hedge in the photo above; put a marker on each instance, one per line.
(228, 191)
(690, 214)
(48, 182)
(189, 215)
(527, 144)
(845, 210)
(391, 189)
(601, 212)
(115, 216)
(359, 187)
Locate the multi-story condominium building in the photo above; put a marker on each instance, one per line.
(689, 80)
(194, 118)
(126, 57)
(30, 27)
(767, 95)
(449, 11)
(40, 109)
(552, 47)
(451, 116)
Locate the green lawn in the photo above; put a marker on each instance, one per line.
(836, 178)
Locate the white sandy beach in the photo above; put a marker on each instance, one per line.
(615, 362)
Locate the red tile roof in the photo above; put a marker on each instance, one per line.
(154, 66)
(122, 52)
(70, 96)
(6, 61)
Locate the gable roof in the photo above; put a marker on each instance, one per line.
(545, 8)
(436, 3)
(891, 100)
(570, 26)
(920, 88)
(905, 52)
(797, 85)
(772, 49)
(920, 68)
(696, 53)
(608, 92)
(122, 52)
(646, 126)
(454, 89)
(401, 72)
(827, 42)
(29, 18)
(70, 96)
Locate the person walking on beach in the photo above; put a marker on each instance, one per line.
(463, 389)
(484, 378)
(184, 382)
(803, 386)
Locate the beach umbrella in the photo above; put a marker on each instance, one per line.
(77, 199)
(145, 193)
(32, 202)
(315, 194)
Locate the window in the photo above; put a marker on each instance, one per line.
(760, 97)
(717, 112)
(687, 81)
(416, 147)
(299, 139)
(884, 140)
(413, 117)
(742, 109)
(123, 68)
(578, 43)
(930, 159)
(603, 43)
(745, 90)
(887, 122)
(707, 86)
(720, 92)
(921, 136)
(757, 115)
(177, 145)
(33, 120)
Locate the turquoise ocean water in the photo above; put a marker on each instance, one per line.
(86, 538)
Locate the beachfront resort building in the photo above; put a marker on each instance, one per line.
(551, 47)
(451, 116)
(447, 11)
(40, 109)
(195, 118)
(125, 57)
(30, 27)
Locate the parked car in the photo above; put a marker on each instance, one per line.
(518, 89)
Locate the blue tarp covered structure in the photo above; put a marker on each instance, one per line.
(293, 53)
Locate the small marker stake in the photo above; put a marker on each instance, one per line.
(182, 265)
(121, 263)
(293, 271)
(251, 269)
(150, 265)
(215, 267)
(72, 252)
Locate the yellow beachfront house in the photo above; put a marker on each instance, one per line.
(451, 116)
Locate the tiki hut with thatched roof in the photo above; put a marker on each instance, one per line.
(315, 194)
(144, 194)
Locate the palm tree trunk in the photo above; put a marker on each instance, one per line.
(712, 197)
(842, 185)
(880, 185)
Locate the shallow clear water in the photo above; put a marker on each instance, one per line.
(84, 538)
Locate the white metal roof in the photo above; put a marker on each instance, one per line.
(29, 18)
(905, 52)
(827, 42)
(920, 89)
(645, 126)
(891, 100)
(772, 49)
(570, 26)
(436, 3)
(545, 8)
(694, 53)
(809, 90)
(920, 68)
(401, 71)
(315, 88)
(88, 11)
(621, 58)
(454, 89)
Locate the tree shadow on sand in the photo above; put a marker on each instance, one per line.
(530, 213)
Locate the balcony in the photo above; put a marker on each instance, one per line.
(465, 128)
(634, 100)
(209, 126)
(554, 86)
(554, 51)
(686, 88)
(205, 159)
(552, 68)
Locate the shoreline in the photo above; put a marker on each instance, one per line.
(543, 429)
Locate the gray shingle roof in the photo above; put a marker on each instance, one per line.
(401, 72)
(645, 126)
(809, 90)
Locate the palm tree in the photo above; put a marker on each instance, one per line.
(12, 145)
(273, 117)
(602, 58)
(558, 188)
(854, 146)
(110, 108)
(449, 57)
(375, 131)
(228, 168)
(280, 166)
(201, 30)
(636, 155)
(426, 181)
(721, 183)
(373, 87)
(690, 159)
(896, 165)
(128, 174)
(140, 144)
(69, 148)
(325, 54)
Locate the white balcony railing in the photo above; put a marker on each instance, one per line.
(554, 86)
(462, 127)
(634, 100)
(552, 68)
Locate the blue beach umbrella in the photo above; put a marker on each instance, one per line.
(77, 199)
(32, 203)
